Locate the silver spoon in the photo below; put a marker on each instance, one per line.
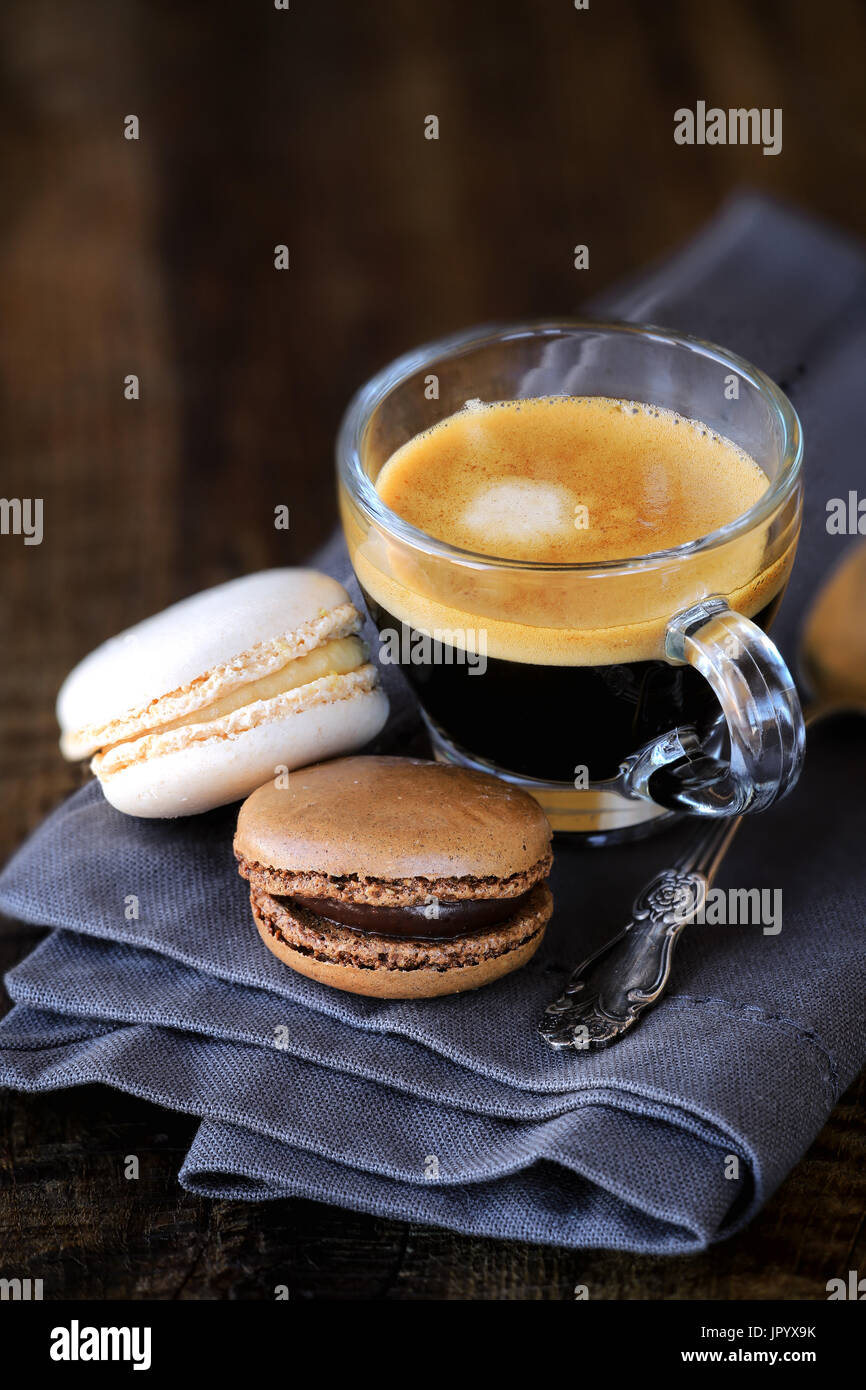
(608, 992)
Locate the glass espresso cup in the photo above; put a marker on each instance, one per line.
(621, 692)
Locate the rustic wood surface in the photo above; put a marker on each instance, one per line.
(155, 257)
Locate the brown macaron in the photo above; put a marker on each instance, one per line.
(396, 878)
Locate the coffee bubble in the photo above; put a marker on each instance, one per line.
(518, 511)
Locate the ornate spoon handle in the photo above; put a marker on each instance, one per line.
(607, 994)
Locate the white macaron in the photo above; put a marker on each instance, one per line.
(201, 704)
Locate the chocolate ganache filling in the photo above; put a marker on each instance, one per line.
(431, 921)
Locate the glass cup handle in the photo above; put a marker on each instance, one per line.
(759, 701)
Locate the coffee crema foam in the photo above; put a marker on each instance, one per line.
(569, 479)
(564, 480)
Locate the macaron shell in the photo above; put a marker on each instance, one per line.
(393, 818)
(217, 771)
(326, 646)
(185, 642)
(421, 984)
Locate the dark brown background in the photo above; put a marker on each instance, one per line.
(261, 127)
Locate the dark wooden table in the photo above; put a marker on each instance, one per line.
(155, 257)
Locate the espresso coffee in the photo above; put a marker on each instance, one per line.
(574, 676)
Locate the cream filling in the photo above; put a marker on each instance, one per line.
(334, 659)
(325, 690)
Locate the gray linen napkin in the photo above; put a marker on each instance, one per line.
(453, 1112)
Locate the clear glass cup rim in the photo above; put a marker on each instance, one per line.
(370, 396)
